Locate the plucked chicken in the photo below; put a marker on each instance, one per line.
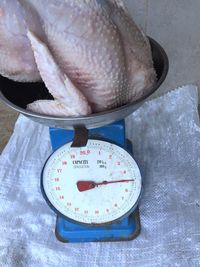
(89, 53)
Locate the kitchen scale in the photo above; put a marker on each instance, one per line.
(93, 184)
(91, 180)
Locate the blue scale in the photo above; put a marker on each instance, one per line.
(94, 185)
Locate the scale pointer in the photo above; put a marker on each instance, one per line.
(88, 185)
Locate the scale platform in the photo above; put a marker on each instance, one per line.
(127, 228)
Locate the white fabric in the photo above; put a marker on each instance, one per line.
(165, 133)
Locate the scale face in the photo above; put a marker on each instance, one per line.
(92, 185)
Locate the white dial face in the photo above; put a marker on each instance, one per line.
(95, 184)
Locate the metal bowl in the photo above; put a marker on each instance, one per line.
(17, 95)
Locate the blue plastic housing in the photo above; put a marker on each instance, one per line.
(125, 229)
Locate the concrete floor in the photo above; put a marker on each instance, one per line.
(7, 121)
(175, 25)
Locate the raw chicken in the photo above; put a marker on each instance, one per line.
(90, 54)
(16, 56)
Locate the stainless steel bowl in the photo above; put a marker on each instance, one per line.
(18, 95)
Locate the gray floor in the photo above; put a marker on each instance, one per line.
(176, 26)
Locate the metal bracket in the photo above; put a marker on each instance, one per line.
(80, 136)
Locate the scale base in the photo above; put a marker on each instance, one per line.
(125, 230)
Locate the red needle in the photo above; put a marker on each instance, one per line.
(88, 185)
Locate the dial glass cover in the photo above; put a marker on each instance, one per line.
(95, 184)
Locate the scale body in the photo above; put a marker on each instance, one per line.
(123, 229)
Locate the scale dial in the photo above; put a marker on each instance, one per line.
(96, 184)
